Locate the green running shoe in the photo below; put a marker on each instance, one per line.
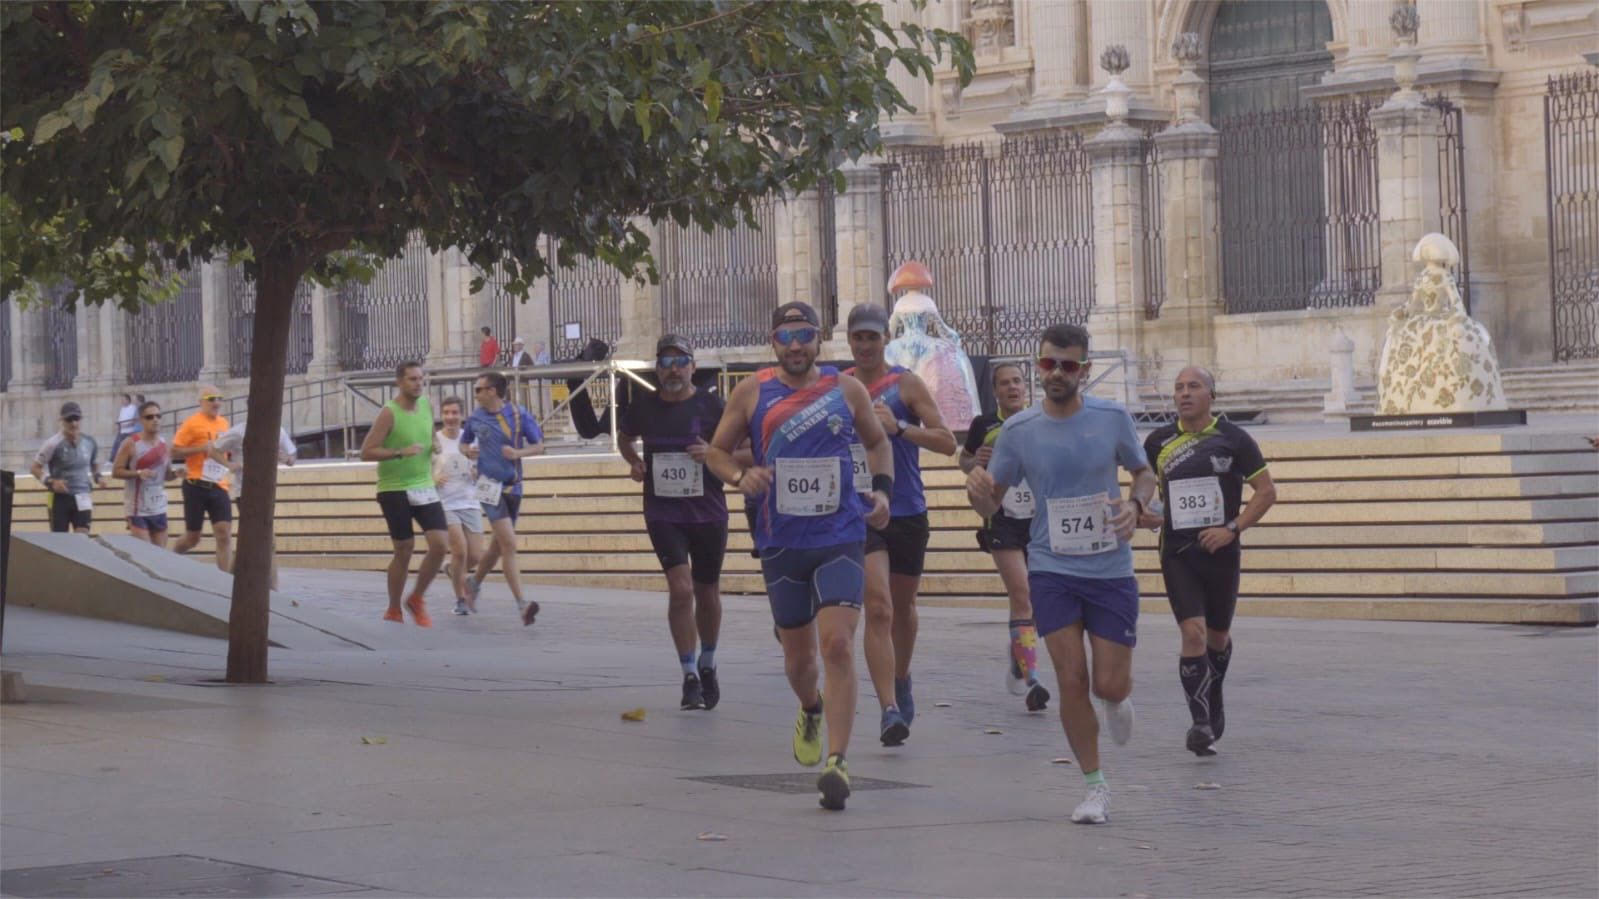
(808, 738)
(834, 784)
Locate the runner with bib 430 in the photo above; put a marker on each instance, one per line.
(811, 524)
(1080, 563)
(1204, 462)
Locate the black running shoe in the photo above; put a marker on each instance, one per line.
(710, 688)
(529, 612)
(1199, 739)
(692, 697)
(1218, 721)
(1037, 698)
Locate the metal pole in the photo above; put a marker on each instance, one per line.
(611, 374)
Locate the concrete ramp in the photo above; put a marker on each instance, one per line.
(124, 579)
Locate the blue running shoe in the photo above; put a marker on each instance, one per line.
(904, 699)
(894, 730)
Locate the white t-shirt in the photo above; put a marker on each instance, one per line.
(232, 443)
(128, 419)
(459, 473)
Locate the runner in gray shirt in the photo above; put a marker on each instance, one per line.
(67, 466)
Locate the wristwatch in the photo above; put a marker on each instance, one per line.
(1232, 525)
(903, 425)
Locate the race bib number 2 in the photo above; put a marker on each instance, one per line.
(807, 487)
(677, 475)
(1080, 525)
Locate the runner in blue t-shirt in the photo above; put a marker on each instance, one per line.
(1080, 560)
(503, 434)
(800, 420)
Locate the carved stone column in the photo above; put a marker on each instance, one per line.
(1124, 23)
(1451, 32)
(1369, 40)
(1057, 29)
(907, 127)
(641, 309)
(214, 314)
(858, 230)
(1407, 167)
(1116, 160)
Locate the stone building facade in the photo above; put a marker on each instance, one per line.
(1236, 183)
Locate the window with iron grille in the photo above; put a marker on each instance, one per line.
(166, 341)
(719, 288)
(241, 325)
(61, 340)
(585, 304)
(385, 322)
(1571, 155)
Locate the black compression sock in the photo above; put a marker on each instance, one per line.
(1220, 660)
(1194, 671)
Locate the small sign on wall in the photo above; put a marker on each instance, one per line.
(572, 330)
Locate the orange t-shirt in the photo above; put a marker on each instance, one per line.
(198, 430)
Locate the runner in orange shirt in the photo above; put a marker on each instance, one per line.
(205, 482)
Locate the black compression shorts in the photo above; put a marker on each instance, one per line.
(1202, 584)
(700, 546)
(398, 514)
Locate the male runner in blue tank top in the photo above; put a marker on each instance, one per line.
(1080, 560)
(895, 554)
(811, 524)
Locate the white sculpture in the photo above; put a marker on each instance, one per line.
(1436, 357)
(920, 341)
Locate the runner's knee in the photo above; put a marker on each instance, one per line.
(1193, 632)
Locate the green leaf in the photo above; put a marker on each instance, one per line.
(713, 100)
(50, 124)
(134, 170)
(641, 115)
(168, 150)
(318, 133)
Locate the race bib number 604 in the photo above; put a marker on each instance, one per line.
(1080, 525)
(807, 487)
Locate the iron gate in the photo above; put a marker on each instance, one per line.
(166, 341)
(1452, 187)
(585, 303)
(61, 340)
(498, 310)
(719, 288)
(385, 322)
(1009, 239)
(826, 292)
(241, 325)
(1153, 236)
(1571, 155)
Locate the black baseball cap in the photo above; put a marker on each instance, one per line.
(673, 342)
(70, 409)
(793, 313)
(868, 317)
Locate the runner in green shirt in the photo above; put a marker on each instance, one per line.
(401, 442)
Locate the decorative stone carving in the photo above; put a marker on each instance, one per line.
(990, 26)
(921, 341)
(1436, 358)
(1185, 49)
(1513, 21)
(1405, 22)
(1187, 85)
(1115, 60)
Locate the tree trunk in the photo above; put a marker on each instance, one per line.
(252, 555)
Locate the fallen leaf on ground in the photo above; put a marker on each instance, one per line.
(633, 715)
(942, 705)
(992, 730)
(1062, 761)
(710, 837)
(294, 602)
(1207, 785)
(155, 678)
(1145, 846)
(374, 741)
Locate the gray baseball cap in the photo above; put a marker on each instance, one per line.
(673, 342)
(70, 409)
(868, 317)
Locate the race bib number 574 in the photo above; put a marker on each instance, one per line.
(1080, 525)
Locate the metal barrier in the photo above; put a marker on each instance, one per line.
(1452, 187)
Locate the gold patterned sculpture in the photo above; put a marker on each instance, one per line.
(1436, 357)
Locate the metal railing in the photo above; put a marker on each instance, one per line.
(719, 288)
(319, 395)
(1571, 156)
(241, 302)
(166, 341)
(1153, 235)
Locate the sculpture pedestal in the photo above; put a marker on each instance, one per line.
(1495, 418)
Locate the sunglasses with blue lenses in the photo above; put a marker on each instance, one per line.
(673, 361)
(791, 336)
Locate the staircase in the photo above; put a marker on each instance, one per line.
(1446, 526)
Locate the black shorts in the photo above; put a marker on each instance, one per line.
(202, 500)
(1199, 583)
(398, 513)
(1002, 532)
(700, 546)
(64, 514)
(905, 539)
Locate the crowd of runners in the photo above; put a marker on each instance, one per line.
(828, 463)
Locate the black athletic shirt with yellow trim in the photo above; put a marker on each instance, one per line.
(1222, 450)
(984, 431)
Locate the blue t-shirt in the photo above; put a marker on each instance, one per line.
(512, 426)
(1065, 459)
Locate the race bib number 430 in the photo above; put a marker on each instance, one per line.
(677, 475)
(807, 487)
(1080, 525)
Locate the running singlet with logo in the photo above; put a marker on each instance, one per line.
(1202, 477)
(804, 436)
(676, 488)
(140, 497)
(908, 498)
(1018, 503)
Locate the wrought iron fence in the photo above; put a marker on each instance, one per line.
(241, 325)
(1154, 229)
(5, 345)
(1571, 154)
(1452, 187)
(166, 341)
(61, 339)
(719, 288)
(585, 304)
(827, 271)
(1299, 208)
(498, 311)
(1009, 239)
(385, 322)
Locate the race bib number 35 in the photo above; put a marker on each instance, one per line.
(1018, 501)
(677, 475)
(1195, 503)
(859, 469)
(1080, 525)
(807, 487)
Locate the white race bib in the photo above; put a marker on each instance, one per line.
(859, 469)
(1080, 525)
(422, 496)
(214, 471)
(1196, 503)
(1019, 502)
(83, 501)
(677, 475)
(151, 499)
(807, 487)
(488, 490)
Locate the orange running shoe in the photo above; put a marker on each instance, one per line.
(419, 611)
(393, 615)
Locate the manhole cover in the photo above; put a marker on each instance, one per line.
(167, 875)
(797, 782)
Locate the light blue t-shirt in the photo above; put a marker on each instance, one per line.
(1066, 459)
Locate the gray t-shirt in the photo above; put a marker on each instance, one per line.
(71, 462)
(1071, 465)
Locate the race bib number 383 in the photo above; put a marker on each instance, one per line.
(1080, 525)
(1195, 503)
(677, 475)
(807, 487)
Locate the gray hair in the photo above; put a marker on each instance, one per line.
(1204, 374)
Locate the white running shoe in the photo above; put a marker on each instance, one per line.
(1015, 679)
(1095, 808)
(1119, 718)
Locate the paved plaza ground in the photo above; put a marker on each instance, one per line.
(482, 759)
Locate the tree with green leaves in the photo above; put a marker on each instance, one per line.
(295, 132)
